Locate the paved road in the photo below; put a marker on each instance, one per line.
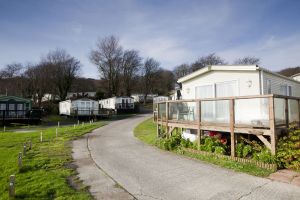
(149, 173)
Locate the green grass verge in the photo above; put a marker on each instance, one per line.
(47, 172)
(146, 131)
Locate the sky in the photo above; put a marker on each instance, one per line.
(171, 31)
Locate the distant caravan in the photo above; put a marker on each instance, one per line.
(122, 104)
(81, 108)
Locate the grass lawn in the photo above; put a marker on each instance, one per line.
(47, 172)
(146, 131)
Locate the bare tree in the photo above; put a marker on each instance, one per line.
(131, 64)
(149, 71)
(107, 56)
(182, 70)
(64, 69)
(11, 70)
(38, 81)
(290, 71)
(211, 59)
(248, 60)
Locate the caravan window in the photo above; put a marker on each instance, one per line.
(226, 89)
(286, 90)
(204, 91)
(11, 107)
(269, 90)
(2, 106)
(20, 106)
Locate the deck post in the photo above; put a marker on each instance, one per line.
(286, 112)
(198, 107)
(272, 125)
(167, 119)
(232, 135)
(299, 113)
(157, 127)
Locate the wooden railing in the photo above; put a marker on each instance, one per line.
(261, 115)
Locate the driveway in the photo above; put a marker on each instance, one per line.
(146, 172)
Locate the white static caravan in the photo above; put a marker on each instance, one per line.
(160, 99)
(236, 80)
(117, 103)
(78, 107)
(296, 77)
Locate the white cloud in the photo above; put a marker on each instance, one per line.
(275, 52)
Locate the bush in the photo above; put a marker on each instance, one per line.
(211, 143)
(288, 150)
(264, 156)
(247, 150)
(219, 150)
(252, 149)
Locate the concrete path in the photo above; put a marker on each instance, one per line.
(149, 173)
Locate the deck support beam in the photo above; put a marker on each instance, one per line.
(272, 125)
(232, 134)
(265, 141)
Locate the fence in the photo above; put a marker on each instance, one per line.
(262, 115)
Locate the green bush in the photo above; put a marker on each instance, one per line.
(220, 150)
(211, 143)
(288, 150)
(239, 149)
(252, 149)
(264, 156)
(247, 150)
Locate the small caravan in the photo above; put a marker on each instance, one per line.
(117, 103)
(79, 107)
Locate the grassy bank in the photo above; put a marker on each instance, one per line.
(146, 131)
(47, 172)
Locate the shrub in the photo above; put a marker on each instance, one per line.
(247, 150)
(219, 150)
(239, 149)
(210, 144)
(264, 156)
(288, 150)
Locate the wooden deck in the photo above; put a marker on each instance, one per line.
(276, 120)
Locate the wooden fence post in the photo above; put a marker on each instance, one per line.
(286, 112)
(58, 124)
(272, 125)
(167, 118)
(299, 113)
(198, 107)
(232, 134)
(20, 163)
(24, 149)
(11, 191)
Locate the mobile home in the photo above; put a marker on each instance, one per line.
(14, 107)
(296, 77)
(79, 107)
(236, 80)
(231, 100)
(117, 103)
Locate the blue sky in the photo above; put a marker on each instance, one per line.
(171, 31)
